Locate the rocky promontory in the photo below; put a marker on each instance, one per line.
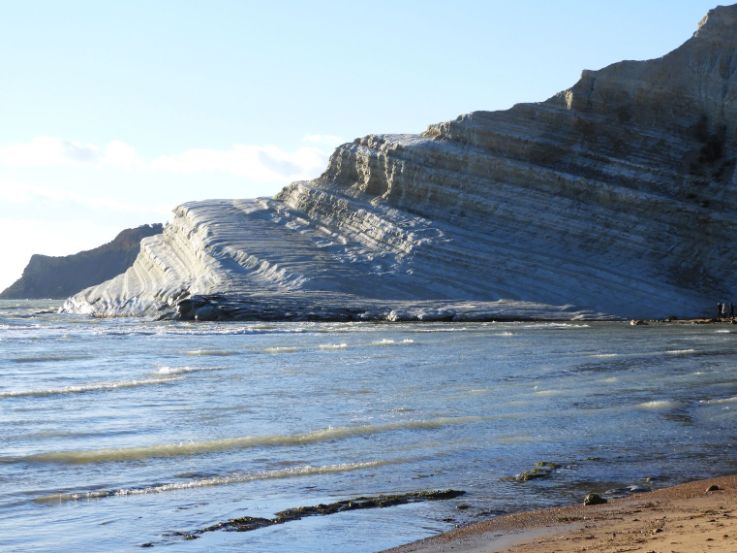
(612, 199)
(59, 277)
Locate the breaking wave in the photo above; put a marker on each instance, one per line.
(242, 442)
(50, 358)
(658, 404)
(390, 342)
(720, 401)
(210, 353)
(234, 478)
(281, 349)
(185, 370)
(83, 388)
(342, 345)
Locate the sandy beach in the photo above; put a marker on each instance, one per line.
(682, 519)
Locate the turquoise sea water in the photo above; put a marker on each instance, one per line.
(119, 433)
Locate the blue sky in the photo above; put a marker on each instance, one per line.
(112, 113)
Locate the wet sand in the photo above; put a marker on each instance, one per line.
(681, 519)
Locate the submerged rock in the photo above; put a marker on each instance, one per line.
(594, 499)
(542, 469)
(614, 198)
(247, 523)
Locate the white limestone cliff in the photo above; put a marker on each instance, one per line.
(615, 198)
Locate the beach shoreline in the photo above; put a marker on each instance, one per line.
(700, 515)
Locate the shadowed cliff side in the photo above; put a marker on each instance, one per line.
(59, 277)
(615, 198)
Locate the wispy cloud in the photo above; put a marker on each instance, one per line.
(262, 163)
(19, 193)
(83, 193)
(330, 140)
(266, 163)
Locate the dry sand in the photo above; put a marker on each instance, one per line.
(682, 519)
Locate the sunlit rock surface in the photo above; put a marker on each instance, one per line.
(615, 198)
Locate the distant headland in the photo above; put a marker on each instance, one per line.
(60, 277)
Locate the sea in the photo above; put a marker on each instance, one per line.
(128, 434)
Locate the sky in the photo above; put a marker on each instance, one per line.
(113, 113)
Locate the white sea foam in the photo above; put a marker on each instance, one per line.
(280, 349)
(680, 351)
(604, 355)
(233, 478)
(548, 393)
(391, 342)
(342, 345)
(505, 333)
(658, 404)
(241, 442)
(92, 387)
(210, 353)
(720, 401)
(722, 331)
(185, 370)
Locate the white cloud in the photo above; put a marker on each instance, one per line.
(59, 196)
(18, 193)
(264, 163)
(122, 155)
(259, 163)
(48, 150)
(323, 140)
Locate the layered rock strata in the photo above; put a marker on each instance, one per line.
(615, 198)
(58, 277)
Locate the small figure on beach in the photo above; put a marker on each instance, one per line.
(731, 310)
(719, 310)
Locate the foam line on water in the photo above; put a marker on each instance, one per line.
(392, 342)
(659, 404)
(184, 370)
(281, 349)
(242, 442)
(719, 401)
(50, 358)
(680, 351)
(234, 478)
(342, 345)
(92, 387)
(210, 353)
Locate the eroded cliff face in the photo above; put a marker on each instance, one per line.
(47, 276)
(615, 198)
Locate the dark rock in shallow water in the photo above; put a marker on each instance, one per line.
(241, 524)
(59, 277)
(594, 499)
(542, 469)
(246, 524)
(366, 503)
